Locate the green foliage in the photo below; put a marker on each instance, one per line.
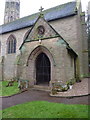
(82, 13)
(78, 78)
(85, 75)
(71, 81)
(54, 92)
(59, 87)
(43, 109)
(7, 91)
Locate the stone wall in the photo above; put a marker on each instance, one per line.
(84, 44)
(0, 68)
(74, 32)
(9, 66)
(61, 69)
(69, 28)
(10, 59)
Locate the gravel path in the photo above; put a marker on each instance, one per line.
(78, 89)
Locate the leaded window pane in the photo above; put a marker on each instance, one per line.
(11, 45)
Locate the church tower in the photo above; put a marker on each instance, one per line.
(12, 10)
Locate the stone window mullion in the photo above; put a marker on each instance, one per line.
(11, 47)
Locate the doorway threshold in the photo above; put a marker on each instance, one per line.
(41, 87)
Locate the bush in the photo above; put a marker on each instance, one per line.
(71, 81)
(85, 75)
(59, 87)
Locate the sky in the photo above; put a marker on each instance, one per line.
(28, 7)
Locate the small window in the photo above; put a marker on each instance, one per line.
(41, 30)
(11, 45)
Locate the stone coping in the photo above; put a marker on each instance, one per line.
(68, 96)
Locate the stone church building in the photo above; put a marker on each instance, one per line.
(43, 47)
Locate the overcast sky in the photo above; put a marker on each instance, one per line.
(28, 7)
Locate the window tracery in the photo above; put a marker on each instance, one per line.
(11, 45)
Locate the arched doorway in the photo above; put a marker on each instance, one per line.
(43, 69)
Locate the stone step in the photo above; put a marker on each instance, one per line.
(39, 87)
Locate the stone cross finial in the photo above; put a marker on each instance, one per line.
(41, 9)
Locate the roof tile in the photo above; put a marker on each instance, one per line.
(54, 13)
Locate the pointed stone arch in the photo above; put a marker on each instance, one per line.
(31, 63)
(11, 44)
(36, 51)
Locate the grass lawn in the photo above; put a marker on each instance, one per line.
(0, 114)
(43, 109)
(7, 91)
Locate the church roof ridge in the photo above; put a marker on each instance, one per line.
(57, 12)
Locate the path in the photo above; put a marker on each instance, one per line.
(34, 95)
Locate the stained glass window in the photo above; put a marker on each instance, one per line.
(11, 44)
